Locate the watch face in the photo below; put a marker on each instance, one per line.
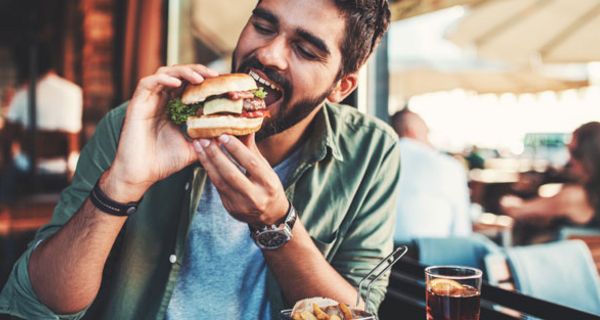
(272, 239)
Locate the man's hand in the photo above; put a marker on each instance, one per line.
(256, 197)
(151, 147)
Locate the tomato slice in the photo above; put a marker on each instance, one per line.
(256, 114)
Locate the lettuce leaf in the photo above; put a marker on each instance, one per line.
(260, 93)
(179, 112)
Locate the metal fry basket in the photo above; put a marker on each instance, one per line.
(366, 283)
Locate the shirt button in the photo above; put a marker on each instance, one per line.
(172, 258)
(187, 186)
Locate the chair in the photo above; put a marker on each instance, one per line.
(561, 272)
(576, 232)
(589, 235)
(465, 251)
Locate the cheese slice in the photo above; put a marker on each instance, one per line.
(221, 105)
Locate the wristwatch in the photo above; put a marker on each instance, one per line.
(274, 236)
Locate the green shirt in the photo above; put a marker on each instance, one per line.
(343, 189)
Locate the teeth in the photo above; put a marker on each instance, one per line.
(258, 78)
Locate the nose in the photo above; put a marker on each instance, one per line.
(274, 53)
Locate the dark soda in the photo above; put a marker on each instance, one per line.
(453, 305)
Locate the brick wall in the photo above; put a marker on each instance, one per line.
(97, 62)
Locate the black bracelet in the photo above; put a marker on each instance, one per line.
(110, 206)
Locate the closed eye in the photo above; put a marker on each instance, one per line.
(306, 53)
(262, 29)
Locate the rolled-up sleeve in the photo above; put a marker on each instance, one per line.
(370, 238)
(18, 298)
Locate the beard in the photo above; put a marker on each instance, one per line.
(289, 113)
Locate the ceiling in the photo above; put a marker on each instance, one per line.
(402, 9)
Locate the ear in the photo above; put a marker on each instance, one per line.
(343, 87)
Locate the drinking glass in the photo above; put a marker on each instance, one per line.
(453, 292)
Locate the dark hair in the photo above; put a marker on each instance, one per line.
(366, 22)
(399, 122)
(587, 151)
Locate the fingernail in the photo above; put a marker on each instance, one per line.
(204, 142)
(197, 146)
(224, 138)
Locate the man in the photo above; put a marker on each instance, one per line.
(433, 196)
(187, 251)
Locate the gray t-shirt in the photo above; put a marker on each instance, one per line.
(223, 273)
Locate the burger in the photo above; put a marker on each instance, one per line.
(229, 104)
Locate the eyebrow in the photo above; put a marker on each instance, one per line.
(314, 40)
(266, 15)
(302, 33)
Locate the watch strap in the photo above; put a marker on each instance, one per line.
(290, 220)
(105, 204)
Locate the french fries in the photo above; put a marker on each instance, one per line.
(319, 313)
(346, 313)
(332, 312)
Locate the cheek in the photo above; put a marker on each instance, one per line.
(312, 80)
(243, 44)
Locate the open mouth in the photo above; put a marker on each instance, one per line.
(274, 92)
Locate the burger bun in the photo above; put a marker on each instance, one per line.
(213, 126)
(217, 86)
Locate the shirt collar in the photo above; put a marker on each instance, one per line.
(323, 137)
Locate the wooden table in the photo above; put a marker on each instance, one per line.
(406, 299)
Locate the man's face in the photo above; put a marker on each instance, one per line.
(293, 45)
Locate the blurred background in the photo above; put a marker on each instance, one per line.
(500, 84)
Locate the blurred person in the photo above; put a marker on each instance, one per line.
(160, 227)
(7, 96)
(59, 107)
(576, 203)
(433, 195)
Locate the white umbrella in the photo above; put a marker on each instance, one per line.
(522, 31)
(219, 23)
(402, 9)
(407, 83)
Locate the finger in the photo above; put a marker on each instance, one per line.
(213, 173)
(154, 84)
(182, 72)
(211, 154)
(204, 70)
(176, 93)
(249, 141)
(249, 159)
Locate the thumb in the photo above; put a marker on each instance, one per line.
(249, 141)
